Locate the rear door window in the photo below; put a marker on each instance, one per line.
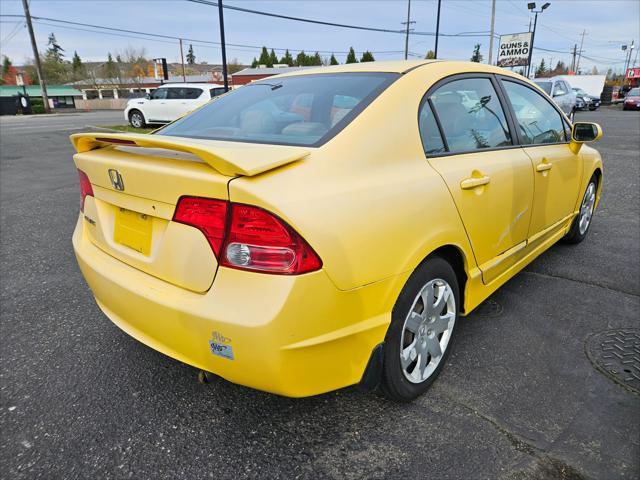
(429, 132)
(538, 120)
(184, 93)
(159, 94)
(471, 115)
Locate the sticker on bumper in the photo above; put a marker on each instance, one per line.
(221, 346)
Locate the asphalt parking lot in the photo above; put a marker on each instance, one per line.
(519, 398)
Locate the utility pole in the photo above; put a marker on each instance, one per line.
(184, 76)
(34, 46)
(584, 32)
(223, 46)
(627, 61)
(491, 31)
(573, 61)
(408, 23)
(437, 30)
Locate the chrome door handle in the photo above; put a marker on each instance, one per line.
(473, 182)
(542, 167)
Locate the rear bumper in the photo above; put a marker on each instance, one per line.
(291, 335)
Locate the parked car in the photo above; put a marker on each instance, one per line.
(590, 101)
(632, 99)
(560, 91)
(309, 231)
(169, 102)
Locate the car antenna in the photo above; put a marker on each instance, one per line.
(274, 86)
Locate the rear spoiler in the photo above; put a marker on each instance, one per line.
(228, 158)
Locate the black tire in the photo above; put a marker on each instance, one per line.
(575, 235)
(394, 384)
(136, 119)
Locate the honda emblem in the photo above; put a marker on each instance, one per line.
(116, 180)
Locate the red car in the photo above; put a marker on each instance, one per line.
(632, 100)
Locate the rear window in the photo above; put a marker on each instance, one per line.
(303, 110)
(546, 86)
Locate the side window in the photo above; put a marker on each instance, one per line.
(191, 93)
(159, 94)
(216, 91)
(429, 132)
(539, 122)
(175, 94)
(471, 115)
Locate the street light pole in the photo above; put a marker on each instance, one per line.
(437, 30)
(36, 57)
(223, 46)
(532, 7)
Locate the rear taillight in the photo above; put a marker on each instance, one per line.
(85, 188)
(206, 214)
(247, 237)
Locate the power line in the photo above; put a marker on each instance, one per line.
(123, 33)
(325, 23)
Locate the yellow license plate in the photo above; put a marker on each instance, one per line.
(133, 230)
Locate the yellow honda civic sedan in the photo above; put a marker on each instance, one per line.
(328, 227)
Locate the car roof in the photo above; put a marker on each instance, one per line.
(400, 66)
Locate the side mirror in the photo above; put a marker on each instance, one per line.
(148, 96)
(559, 92)
(584, 132)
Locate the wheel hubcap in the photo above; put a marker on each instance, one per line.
(586, 209)
(135, 119)
(427, 330)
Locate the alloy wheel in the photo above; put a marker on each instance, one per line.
(586, 209)
(136, 120)
(427, 330)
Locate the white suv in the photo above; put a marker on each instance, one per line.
(168, 102)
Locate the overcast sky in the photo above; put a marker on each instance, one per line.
(608, 24)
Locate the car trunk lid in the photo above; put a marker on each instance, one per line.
(137, 180)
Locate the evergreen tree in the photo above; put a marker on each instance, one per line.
(273, 59)
(477, 56)
(110, 68)
(77, 68)
(264, 57)
(254, 64)
(6, 65)
(351, 56)
(191, 57)
(367, 57)
(316, 59)
(53, 68)
(118, 58)
(302, 60)
(333, 60)
(54, 49)
(287, 59)
(430, 55)
(542, 69)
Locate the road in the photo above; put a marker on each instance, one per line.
(519, 398)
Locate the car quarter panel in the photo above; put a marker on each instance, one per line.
(367, 201)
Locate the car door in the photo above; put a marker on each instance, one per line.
(562, 97)
(188, 98)
(557, 170)
(156, 105)
(489, 177)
